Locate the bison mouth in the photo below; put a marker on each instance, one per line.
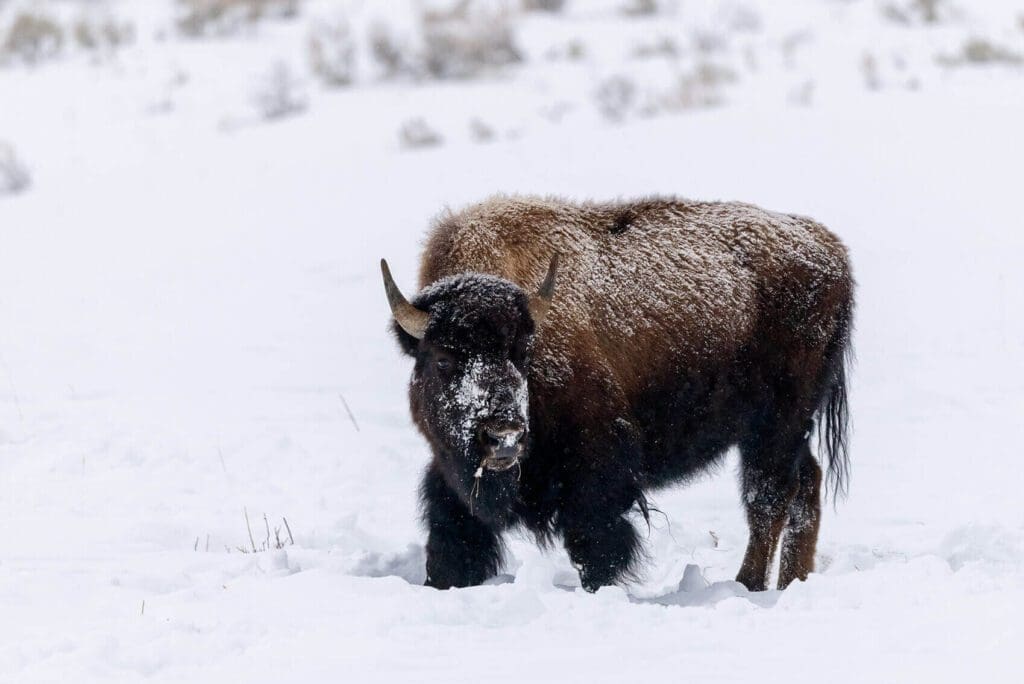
(501, 449)
(499, 464)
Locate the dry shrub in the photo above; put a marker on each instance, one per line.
(869, 70)
(480, 131)
(466, 41)
(792, 44)
(553, 6)
(102, 34)
(394, 56)
(225, 17)
(743, 19)
(615, 97)
(803, 94)
(331, 48)
(887, 73)
(665, 47)
(708, 42)
(913, 12)
(14, 175)
(702, 87)
(31, 39)
(570, 51)
(416, 133)
(981, 52)
(640, 8)
(930, 11)
(279, 94)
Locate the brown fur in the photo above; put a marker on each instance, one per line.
(653, 285)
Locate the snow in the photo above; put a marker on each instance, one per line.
(471, 398)
(474, 400)
(190, 296)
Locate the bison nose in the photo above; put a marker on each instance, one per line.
(502, 445)
(504, 436)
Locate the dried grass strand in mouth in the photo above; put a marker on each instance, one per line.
(478, 475)
(476, 483)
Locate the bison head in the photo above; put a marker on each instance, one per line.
(471, 336)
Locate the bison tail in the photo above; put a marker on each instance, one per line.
(833, 417)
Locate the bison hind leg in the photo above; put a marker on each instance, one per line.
(800, 536)
(770, 482)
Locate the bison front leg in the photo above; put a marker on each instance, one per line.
(462, 551)
(602, 543)
(603, 550)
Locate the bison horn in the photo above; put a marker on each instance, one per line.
(411, 319)
(541, 301)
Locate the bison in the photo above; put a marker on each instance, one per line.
(572, 357)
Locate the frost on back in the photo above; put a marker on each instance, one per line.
(689, 276)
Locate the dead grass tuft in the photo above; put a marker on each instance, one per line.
(32, 38)
(331, 49)
(279, 94)
(198, 18)
(268, 543)
(465, 41)
(417, 133)
(14, 175)
(981, 52)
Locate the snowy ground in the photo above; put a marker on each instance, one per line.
(189, 296)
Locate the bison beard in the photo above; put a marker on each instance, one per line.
(672, 331)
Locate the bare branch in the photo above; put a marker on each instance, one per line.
(349, 411)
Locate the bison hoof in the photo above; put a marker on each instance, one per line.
(752, 583)
(592, 581)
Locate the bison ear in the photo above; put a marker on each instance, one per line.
(541, 301)
(408, 317)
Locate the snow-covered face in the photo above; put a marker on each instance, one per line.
(481, 406)
(469, 391)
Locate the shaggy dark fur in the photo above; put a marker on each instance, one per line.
(677, 330)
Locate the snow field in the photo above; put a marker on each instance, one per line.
(183, 307)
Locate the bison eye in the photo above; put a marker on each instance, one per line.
(443, 364)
